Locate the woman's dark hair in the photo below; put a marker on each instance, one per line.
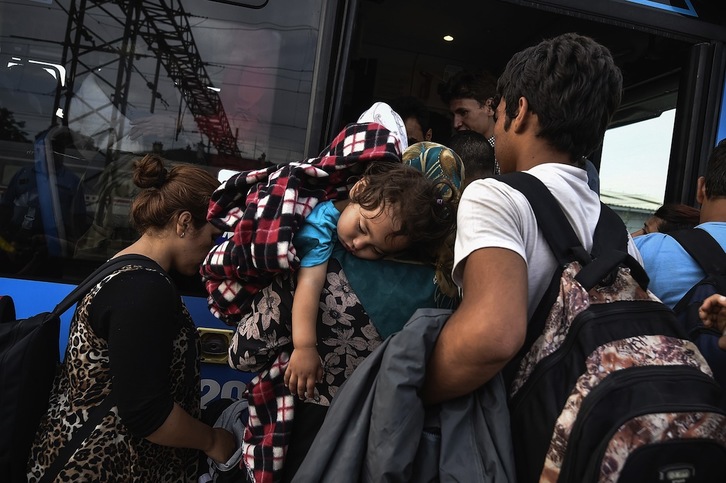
(573, 85)
(425, 208)
(169, 192)
(675, 216)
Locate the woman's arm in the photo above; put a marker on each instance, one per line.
(137, 313)
(181, 430)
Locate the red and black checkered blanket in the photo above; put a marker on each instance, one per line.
(267, 433)
(263, 209)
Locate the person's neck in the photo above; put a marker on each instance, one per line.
(713, 209)
(149, 247)
(535, 154)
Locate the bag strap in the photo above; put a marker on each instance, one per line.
(96, 414)
(99, 274)
(610, 240)
(703, 248)
(7, 309)
(557, 231)
(609, 250)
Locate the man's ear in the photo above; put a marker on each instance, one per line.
(428, 135)
(701, 190)
(523, 117)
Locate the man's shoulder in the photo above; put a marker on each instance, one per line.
(663, 244)
(653, 243)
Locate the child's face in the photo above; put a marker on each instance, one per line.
(366, 233)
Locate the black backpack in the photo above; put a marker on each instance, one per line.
(29, 359)
(709, 255)
(607, 386)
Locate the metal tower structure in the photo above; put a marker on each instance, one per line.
(164, 26)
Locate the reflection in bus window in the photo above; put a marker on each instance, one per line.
(639, 151)
(110, 230)
(43, 208)
(197, 81)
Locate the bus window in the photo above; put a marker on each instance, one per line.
(634, 168)
(88, 87)
(198, 81)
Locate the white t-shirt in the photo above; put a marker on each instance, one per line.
(493, 214)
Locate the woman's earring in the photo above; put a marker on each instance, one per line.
(182, 235)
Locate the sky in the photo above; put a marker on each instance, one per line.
(635, 157)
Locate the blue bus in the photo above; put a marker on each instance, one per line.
(87, 86)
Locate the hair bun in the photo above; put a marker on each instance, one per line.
(162, 178)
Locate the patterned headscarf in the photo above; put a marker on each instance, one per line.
(437, 161)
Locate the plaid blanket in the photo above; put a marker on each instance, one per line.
(263, 209)
(271, 411)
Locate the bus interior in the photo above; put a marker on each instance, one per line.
(672, 77)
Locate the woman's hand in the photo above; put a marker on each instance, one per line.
(713, 314)
(223, 445)
(303, 371)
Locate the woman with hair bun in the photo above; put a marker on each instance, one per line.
(132, 339)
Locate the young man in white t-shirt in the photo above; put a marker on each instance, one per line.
(556, 101)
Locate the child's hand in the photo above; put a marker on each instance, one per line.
(713, 314)
(303, 371)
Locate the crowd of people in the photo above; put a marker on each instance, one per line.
(327, 260)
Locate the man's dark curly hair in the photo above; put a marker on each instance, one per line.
(425, 208)
(573, 85)
(469, 85)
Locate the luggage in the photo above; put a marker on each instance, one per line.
(607, 386)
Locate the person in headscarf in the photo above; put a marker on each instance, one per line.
(437, 162)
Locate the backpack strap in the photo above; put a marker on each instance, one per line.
(703, 248)
(96, 414)
(609, 242)
(7, 309)
(99, 274)
(555, 227)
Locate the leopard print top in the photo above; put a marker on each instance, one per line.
(111, 453)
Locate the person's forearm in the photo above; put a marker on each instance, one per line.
(304, 321)
(305, 305)
(181, 430)
(487, 329)
(460, 363)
